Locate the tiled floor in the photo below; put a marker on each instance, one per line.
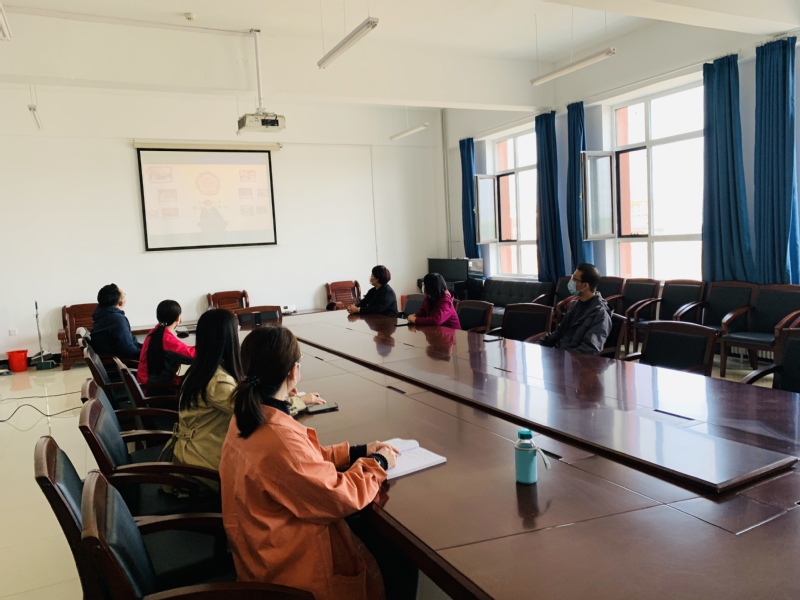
(35, 561)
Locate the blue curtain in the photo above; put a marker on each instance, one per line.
(776, 224)
(548, 226)
(471, 248)
(581, 251)
(727, 255)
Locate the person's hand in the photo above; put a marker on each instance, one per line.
(293, 392)
(387, 453)
(376, 446)
(412, 318)
(313, 398)
(353, 309)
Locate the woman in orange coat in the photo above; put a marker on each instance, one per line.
(283, 499)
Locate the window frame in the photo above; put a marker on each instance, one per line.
(647, 144)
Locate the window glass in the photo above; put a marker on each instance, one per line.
(508, 260)
(527, 205)
(678, 187)
(526, 150)
(630, 124)
(633, 259)
(634, 210)
(528, 262)
(677, 260)
(505, 155)
(677, 113)
(598, 196)
(507, 187)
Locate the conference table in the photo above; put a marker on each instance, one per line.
(663, 484)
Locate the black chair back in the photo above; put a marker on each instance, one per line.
(474, 314)
(723, 297)
(100, 429)
(259, 316)
(562, 289)
(677, 293)
(610, 286)
(413, 304)
(636, 290)
(615, 340)
(521, 321)
(787, 356)
(773, 303)
(680, 346)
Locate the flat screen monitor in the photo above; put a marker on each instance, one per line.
(452, 269)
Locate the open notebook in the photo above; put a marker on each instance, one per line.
(412, 458)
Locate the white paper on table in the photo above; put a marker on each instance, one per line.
(412, 458)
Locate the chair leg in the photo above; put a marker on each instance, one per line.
(753, 356)
(723, 358)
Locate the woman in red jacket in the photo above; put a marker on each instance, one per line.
(437, 308)
(162, 352)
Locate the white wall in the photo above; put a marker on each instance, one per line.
(345, 198)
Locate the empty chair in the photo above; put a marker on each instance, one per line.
(611, 287)
(129, 470)
(125, 566)
(786, 368)
(475, 315)
(115, 390)
(413, 304)
(130, 418)
(258, 316)
(62, 487)
(342, 294)
(73, 317)
(635, 290)
(774, 307)
(136, 395)
(722, 297)
(676, 296)
(677, 345)
(525, 322)
(229, 300)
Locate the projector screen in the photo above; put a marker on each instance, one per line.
(206, 198)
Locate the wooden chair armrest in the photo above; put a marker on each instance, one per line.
(168, 468)
(496, 331)
(536, 337)
(238, 590)
(632, 356)
(751, 378)
(731, 316)
(614, 298)
(633, 311)
(541, 297)
(185, 522)
(566, 302)
(141, 435)
(786, 321)
(688, 307)
(62, 335)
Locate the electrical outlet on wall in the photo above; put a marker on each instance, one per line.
(12, 332)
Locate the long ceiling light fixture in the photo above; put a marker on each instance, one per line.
(5, 29)
(408, 132)
(348, 41)
(575, 66)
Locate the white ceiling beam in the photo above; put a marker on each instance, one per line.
(761, 17)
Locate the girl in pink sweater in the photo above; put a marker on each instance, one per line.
(437, 308)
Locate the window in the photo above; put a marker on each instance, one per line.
(658, 154)
(515, 162)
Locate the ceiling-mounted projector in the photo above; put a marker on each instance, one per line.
(261, 122)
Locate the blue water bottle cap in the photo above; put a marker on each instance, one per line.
(525, 434)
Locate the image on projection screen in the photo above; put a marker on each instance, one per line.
(206, 198)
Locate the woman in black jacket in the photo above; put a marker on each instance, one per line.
(380, 300)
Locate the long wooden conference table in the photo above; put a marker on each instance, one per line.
(663, 484)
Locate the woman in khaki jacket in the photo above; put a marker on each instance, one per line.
(285, 497)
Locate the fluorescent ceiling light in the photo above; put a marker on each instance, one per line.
(5, 29)
(408, 132)
(351, 38)
(35, 115)
(579, 64)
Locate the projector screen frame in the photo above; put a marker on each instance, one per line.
(211, 149)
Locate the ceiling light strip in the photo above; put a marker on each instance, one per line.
(5, 28)
(349, 40)
(408, 132)
(575, 66)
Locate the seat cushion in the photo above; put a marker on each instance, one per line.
(203, 558)
(750, 337)
(501, 292)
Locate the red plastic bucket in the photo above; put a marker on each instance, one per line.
(18, 360)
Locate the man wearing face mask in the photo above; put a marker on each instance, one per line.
(587, 323)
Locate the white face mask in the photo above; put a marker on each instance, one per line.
(572, 287)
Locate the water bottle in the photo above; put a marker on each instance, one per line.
(525, 457)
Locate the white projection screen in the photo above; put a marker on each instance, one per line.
(206, 198)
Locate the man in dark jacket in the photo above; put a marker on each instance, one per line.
(111, 331)
(587, 323)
